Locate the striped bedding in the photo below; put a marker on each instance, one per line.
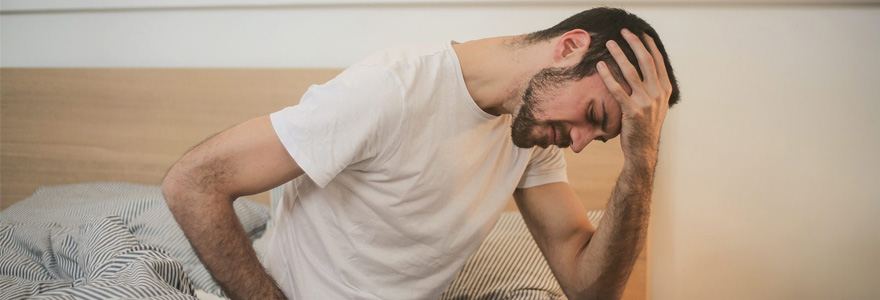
(99, 260)
(103, 240)
(106, 240)
(508, 265)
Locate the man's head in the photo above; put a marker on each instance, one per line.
(568, 104)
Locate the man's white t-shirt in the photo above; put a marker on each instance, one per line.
(405, 176)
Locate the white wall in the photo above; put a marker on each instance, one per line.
(298, 36)
(768, 185)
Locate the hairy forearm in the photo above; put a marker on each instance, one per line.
(605, 262)
(608, 258)
(210, 224)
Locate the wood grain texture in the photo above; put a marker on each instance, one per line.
(60, 126)
(72, 125)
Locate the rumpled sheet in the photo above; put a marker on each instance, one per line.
(99, 259)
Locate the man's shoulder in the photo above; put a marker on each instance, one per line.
(406, 56)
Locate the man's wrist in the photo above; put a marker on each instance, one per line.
(642, 160)
(638, 174)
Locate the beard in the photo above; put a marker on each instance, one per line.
(540, 88)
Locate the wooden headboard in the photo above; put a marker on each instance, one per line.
(75, 125)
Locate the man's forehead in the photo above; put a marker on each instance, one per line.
(620, 81)
(595, 81)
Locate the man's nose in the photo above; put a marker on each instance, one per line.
(580, 138)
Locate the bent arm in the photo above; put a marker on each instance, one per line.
(596, 264)
(200, 188)
(589, 263)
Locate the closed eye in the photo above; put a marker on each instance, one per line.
(591, 116)
(604, 119)
(593, 119)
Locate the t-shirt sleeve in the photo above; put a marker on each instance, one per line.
(342, 122)
(546, 166)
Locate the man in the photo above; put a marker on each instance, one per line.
(410, 155)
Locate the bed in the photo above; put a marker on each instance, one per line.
(83, 150)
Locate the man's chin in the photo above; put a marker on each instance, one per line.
(532, 144)
(525, 144)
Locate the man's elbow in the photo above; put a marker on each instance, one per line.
(597, 286)
(171, 189)
(186, 186)
(597, 293)
(178, 185)
(599, 289)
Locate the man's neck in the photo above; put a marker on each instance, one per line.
(496, 69)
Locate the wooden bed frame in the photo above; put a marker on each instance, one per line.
(60, 126)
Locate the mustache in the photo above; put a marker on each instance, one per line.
(563, 139)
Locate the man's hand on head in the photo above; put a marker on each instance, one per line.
(645, 109)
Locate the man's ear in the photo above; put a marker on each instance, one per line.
(571, 46)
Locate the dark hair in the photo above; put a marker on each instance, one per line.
(603, 24)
